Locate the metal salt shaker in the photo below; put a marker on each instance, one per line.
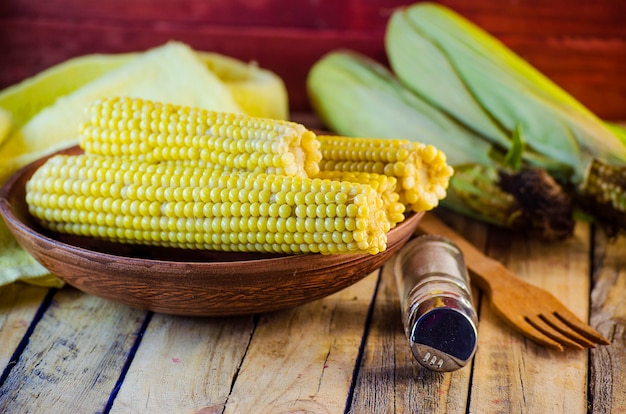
(437, 310)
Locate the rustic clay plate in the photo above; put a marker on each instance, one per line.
(187, 282)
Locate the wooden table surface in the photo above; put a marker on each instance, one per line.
(63, 351)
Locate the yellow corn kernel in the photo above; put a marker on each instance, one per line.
(421, 170)
(169, 204)
(383, 184)
(155, 131)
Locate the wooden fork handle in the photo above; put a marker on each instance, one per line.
(488, 274)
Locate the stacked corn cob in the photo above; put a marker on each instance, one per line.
(168, 175)
(154, 132)
(526, 154)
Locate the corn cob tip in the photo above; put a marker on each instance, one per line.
(385, 188)
(421, 170)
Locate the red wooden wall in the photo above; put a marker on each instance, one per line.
(581, 44)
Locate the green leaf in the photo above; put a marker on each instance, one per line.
(513, 159)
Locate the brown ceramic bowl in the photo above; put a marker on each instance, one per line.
(187, 282)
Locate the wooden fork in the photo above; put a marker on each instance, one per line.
(532, 311)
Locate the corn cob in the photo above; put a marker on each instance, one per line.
(167, 204)
(155, 131)
(421, 170)
(383, 184)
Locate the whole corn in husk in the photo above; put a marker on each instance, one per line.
(356, 96)
(487, 87)
(527, 127)
(484, 85)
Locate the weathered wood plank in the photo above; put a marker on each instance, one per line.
(513, 374)
(302, 359)
(74, 357)
(19, 304)
(608, 303)
(184, 365)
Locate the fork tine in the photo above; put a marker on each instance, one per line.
(558, 324)
(571, 320)
(535, 335)
(521, 324)
(540, 325)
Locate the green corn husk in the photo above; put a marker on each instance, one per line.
(470, 75)
(429, 46)
(356, 96)
(619, 131)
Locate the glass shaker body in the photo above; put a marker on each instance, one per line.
(437, 311)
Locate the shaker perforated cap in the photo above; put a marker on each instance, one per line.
(443, 338)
